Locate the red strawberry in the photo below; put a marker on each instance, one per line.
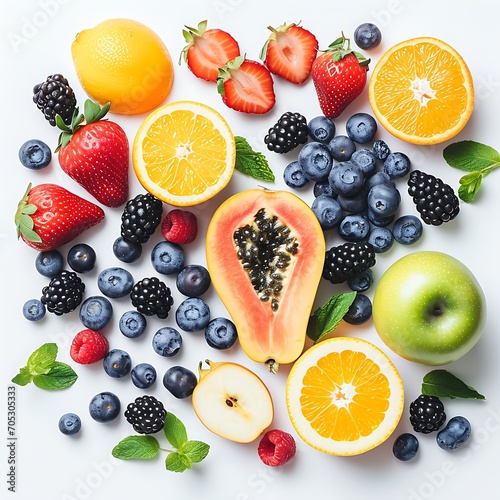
(208, 50)
(49, 216)
(246, 86)
(88, 346)
(179, 226)
(276, 447)
(339, 76)
(290, 52)
(95, 153)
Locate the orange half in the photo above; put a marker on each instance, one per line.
(421, 91)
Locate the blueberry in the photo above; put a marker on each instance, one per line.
(383, 200)
(354, 204)
(397, 165)
(354, 227)
(367, 36)
(328, 211)
(221, 333)
(378, 178)
(360, 311)
(70, 424)
(341, 148)
(117, 363)
(81, 258)
(346, 178)
(407, 230)
(192, 315)
(405, 447)
(455, 434)
(180, 381)
(143, 375)
(379, 220)
(361, 282)
(50, 263)
(380, 149)
(35, 154)
(365, 160)
(132, 324)
(115, 282)
(104, 407)
(34, 310)
(126, 251)
(96, 312)
(315, 161)
(193, 280)
(167, 341)
(381, 238)
(167, 257)
(294, 176)
(321, 129)
(323, 187)
(361, 128)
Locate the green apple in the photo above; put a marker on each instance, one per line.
(429, 308)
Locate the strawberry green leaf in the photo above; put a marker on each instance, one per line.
(136, 447)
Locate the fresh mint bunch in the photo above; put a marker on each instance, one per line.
(44, 371)
(186, 452)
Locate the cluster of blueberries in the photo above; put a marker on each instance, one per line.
(351, 193)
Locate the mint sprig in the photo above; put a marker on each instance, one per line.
(473, 157)
(327, 317)
(186, 452)
(44, 371)
(252, 163)
(444, 384)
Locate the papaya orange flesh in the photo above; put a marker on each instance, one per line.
(265, 254)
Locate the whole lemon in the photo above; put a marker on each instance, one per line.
(123, 62)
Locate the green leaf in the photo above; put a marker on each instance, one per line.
(326, 318)
(443, 384)
(136, 447)
(469, 186)
(178, 462)
(175, 431)
(471, 156)
(195, 450)
(252, 163)
(24, 377)
(41, 361)
(60, 376)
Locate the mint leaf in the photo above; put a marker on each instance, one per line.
(175, 431)
(443, 384)
(41, 360)
(195, 450)
(24, 377)
(469, 186)
(60, 376)
(327, 317)
(178, 462)
(250, 162)
(136, 447)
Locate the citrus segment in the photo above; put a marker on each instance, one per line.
(184, 153)
(344, 396)
(421, 91)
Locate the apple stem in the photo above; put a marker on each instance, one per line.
(273, 365)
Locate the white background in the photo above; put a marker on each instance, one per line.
(35, 41)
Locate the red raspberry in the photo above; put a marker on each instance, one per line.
(88, 346)
(179, 226)
(276, 447)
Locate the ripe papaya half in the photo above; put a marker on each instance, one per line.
(265, 254)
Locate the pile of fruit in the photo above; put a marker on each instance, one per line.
(266, 250)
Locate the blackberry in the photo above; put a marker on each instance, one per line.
(287, 133)
(347, 260)
(435, 201)
(150, 297)
(64, 293)
(54, 97)
(427, 414)
(140, 217)
(146, 414)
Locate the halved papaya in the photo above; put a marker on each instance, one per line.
(265, 254)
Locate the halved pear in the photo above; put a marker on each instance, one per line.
(232, 401)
